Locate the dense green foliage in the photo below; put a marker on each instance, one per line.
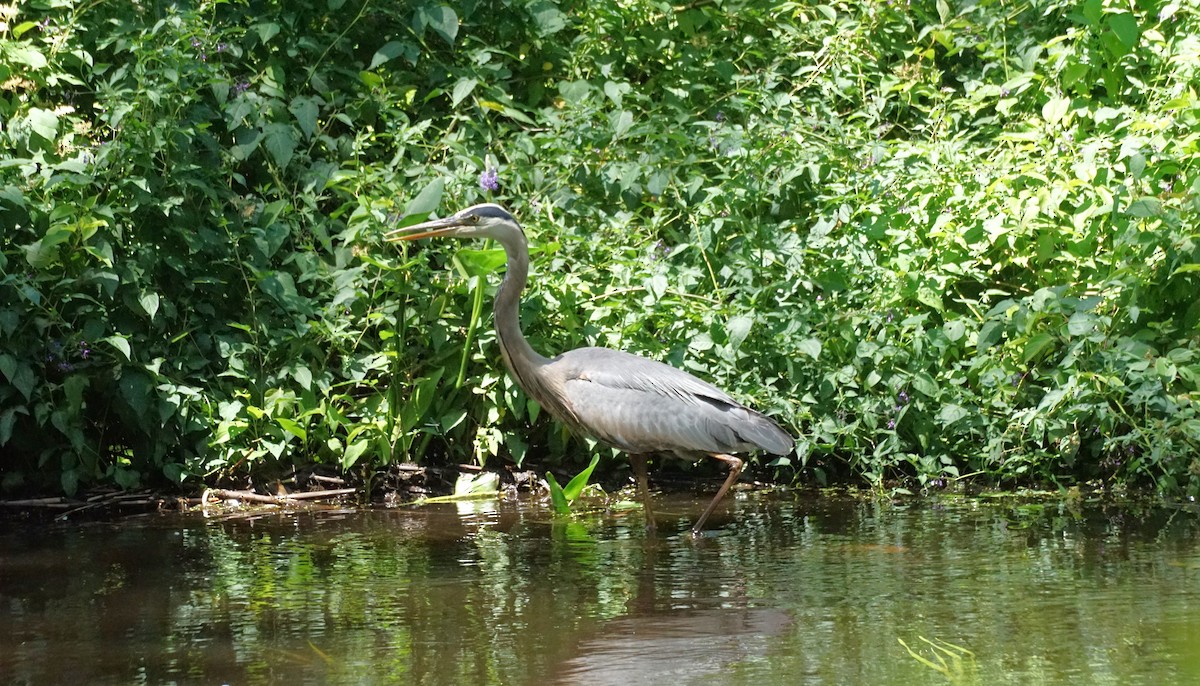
(933, 239)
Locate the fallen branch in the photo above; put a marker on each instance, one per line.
(251, 496)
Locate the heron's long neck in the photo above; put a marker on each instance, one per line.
(522, 360)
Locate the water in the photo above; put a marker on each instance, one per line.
(791, 590)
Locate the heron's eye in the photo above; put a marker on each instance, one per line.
(474, 219)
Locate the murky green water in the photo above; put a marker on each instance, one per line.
(792, 590)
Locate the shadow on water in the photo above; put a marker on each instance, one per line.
(791, 589)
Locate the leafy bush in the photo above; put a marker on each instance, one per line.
(933, 239)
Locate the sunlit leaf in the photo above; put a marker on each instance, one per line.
(428, 199)
(576, 485)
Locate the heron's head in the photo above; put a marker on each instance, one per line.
(478, 221)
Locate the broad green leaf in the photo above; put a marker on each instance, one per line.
(428, 199)
(305, 110)
(557, 499)
(576, 485)
(24, 53)
(120, 343)
(1055, 109)
(574, 91)
(353, 452)
(738, 329)
(8, 420)
(441, 19)
(44, 252)
(810, 347)
(1036, 345)
(293, 428)
(924, 384)
(19, 375)
(390, 51)
(621, 122)
(951, 413)
(149, 303)
(547, 18)
(954, 329)
(304, 377)
(615, 91)
(266, 31)
(44, 123)
(481, 262)
(1081, 324)
(462, 89)
(1125, 26)
(989, 335)
(280, 140)
(1145, 207)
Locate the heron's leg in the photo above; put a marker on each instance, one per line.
(735, 469)
(643, 484)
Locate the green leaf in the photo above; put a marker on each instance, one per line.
(621, 122)
(1145, 207)
(280, 140)
(1036, 346)
(44, 123)
(951, 413)
(924, 384)
(954, 329)
(576, 485)
(738, 329)
(8, 420)
(305, 110)
(462, 89)
(292, 428)
(1055, 109)
(989, 335)
(574, 91)
(481, 262)
(120, 343)
(1125, 26)
(557, 499)
(266, 31)
(149, 303)
(19, 375)
(354, 451)
(43, 252)
(428, 199)
(390, 51)
(26, 54)
(1081, 324)
(810, 347)
(547, 18)
(441, 19)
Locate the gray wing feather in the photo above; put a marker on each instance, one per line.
(640, 405)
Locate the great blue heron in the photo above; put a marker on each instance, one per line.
(629, 402)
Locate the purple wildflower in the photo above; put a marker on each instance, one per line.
(490, 180)
(84, 350)
(891, 423)
(241, 87)
(903, 398)
(720, 116)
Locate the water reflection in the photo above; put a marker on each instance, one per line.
(793, 590)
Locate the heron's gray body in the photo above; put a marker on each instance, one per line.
(639, 405)
(632, 403)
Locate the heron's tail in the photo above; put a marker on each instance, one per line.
(766, 434)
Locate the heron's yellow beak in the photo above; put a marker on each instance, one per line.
(437, 227)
